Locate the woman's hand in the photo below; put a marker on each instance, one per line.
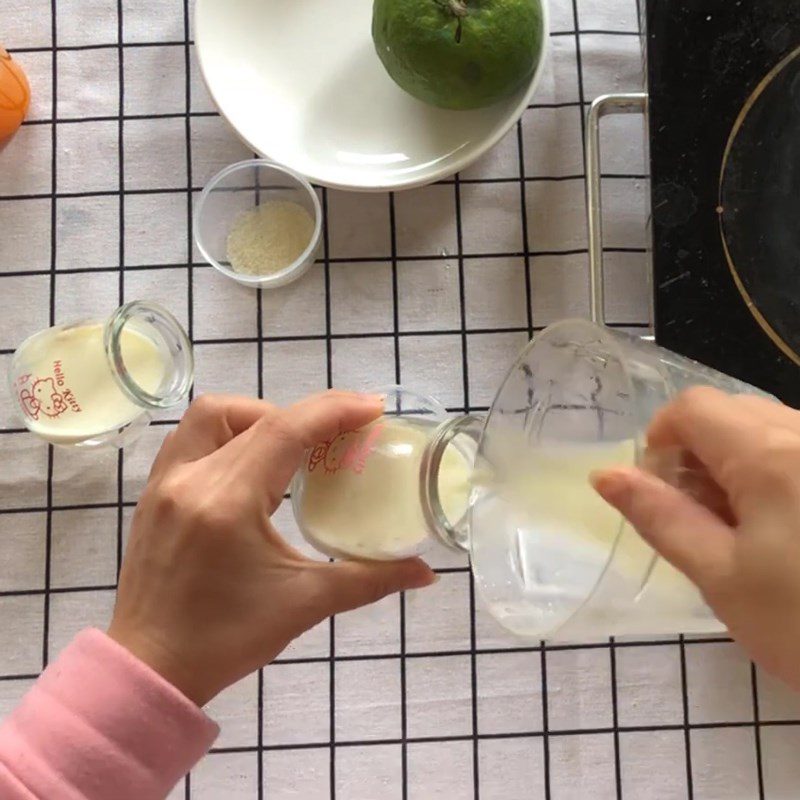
(744, 552)
(209, 591)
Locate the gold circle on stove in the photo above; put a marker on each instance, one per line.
(784, 346)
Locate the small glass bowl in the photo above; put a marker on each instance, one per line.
(240, 188)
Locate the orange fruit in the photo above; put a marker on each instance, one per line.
(15, 95)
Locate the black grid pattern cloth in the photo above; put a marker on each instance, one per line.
(420, 696)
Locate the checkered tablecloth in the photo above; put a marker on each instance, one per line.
(419, 697)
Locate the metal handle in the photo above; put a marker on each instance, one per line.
(635, 103)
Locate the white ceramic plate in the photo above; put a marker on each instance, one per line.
(301, 83)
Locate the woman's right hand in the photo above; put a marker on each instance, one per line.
(743, 553)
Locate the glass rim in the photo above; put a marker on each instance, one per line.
(454, 534)
(113, 346)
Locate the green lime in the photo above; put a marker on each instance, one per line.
(459, 53)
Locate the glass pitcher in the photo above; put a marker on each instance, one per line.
(550, 558)
(95, 382)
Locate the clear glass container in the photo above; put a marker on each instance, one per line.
(358, 494)
(95, 382)
(241, 188)
(550, 558)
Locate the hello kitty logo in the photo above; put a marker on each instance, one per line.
(42, 397)
(346, 451)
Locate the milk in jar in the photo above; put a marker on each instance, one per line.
(359, 494)
(88, 381)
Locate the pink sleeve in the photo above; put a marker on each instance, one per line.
(99, 724)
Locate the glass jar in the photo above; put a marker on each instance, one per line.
(550, 558)
(358, 494)
(95, 382)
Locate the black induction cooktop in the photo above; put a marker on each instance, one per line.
(724, 117)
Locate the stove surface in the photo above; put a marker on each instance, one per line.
(724, 117)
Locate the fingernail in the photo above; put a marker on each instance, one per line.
(427, 581)
(609, 483)
(374, 398)
(596, 477)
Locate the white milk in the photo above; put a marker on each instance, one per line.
(360, 494)
(546, 537)
(69, 393)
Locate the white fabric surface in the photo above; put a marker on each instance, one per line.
(612, 722)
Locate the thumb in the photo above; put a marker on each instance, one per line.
(687, 534)
(352, 584)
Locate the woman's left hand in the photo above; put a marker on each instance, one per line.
(209, 591)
